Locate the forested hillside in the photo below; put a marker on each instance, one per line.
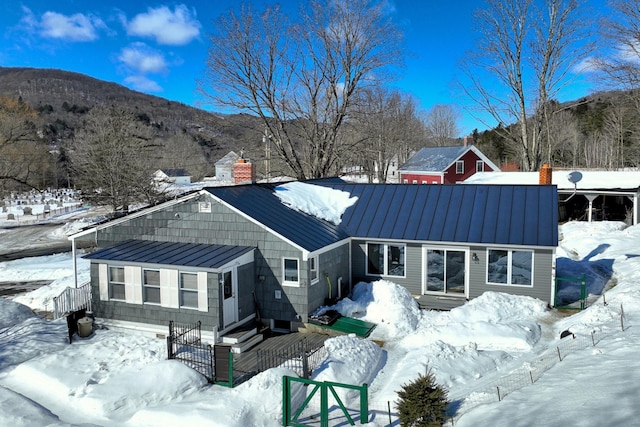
(192, 138)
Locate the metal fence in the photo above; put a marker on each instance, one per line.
(184, 343)
(299, 357)
(72, 299)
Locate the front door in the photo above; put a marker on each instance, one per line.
(229, 295)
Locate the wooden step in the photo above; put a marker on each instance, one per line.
(239, 335)
(246, 345)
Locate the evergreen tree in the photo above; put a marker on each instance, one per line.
(422, 403)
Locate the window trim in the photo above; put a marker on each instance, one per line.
(510, 267)
(112, 282)
(145, 286)
(446, 249)
(181, 290)
(313, 266)
(459, 167)
(479, 166)
(385, 256)
(286, 282)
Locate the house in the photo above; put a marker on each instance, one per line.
(444, 165)
(224, 167)
(226, 255)
(173, 176)
(595, 195)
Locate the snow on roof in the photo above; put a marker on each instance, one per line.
(603, 180)
(321, 202)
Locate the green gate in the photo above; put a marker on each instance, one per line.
(583, 292)
(289, 419)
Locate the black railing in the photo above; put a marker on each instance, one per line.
(184, 343)
(299, 357)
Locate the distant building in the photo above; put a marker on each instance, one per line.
(444, 165)
(173, 176)
(224, 167)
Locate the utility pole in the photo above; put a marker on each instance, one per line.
(266, 139)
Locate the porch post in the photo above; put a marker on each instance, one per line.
(75, 264)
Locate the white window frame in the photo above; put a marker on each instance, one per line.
(446, 249)
(459, 167)
(113, 282)
(146, 286)
(479, 166)
(286, 282)
(510, 267)
(385, 255)
(182, 290)
(313, 268)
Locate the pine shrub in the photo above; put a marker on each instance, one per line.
(422, 403)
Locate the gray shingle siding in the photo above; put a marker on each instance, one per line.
(226, 227)
(153, 314)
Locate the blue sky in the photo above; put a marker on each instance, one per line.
(161, 47)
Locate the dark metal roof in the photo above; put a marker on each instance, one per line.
(434, 159)
(260, 202)
(524, 215)
(170, 253)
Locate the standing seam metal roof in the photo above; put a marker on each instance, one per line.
(181, 254)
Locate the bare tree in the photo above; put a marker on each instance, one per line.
(441, 122)
(387, 128)
(527, 52)
(113, 159)
(300, 76)
(23, 156)
(620, 69)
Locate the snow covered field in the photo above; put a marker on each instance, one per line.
(115, 379)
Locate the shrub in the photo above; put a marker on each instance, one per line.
(422, 403)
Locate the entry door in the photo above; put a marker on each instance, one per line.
(229, 295)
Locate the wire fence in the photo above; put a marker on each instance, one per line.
(494, 390)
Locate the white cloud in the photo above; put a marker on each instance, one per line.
(142, 59)
(77, 27)
(142, 84)
(172, 28)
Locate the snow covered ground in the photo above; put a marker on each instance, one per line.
(496, 344)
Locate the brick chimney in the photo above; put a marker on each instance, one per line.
(545, 174)
(468, 140)
(243, 171)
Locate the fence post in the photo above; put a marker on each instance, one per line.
(559, 355)
(621, 317)
(364, 403)
(498, 388)
(305, 364)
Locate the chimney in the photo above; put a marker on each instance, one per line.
(243, 171)
(468, 140)
(545, 174)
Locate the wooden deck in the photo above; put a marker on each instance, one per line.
(247, 360)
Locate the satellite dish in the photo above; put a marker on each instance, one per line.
(574, 177)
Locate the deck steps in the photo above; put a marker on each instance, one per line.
(242, 338)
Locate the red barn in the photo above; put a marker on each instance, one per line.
(444, 165)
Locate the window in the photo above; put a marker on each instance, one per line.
(116, 283)
(405, 181)
(424, 182)
(313, 269)
(385, 259)
(189, 290)
(446, 271)
(151, 286)
(291, 273)
(460, 167)
(415, 181)
(510, 267)
(479, 166)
